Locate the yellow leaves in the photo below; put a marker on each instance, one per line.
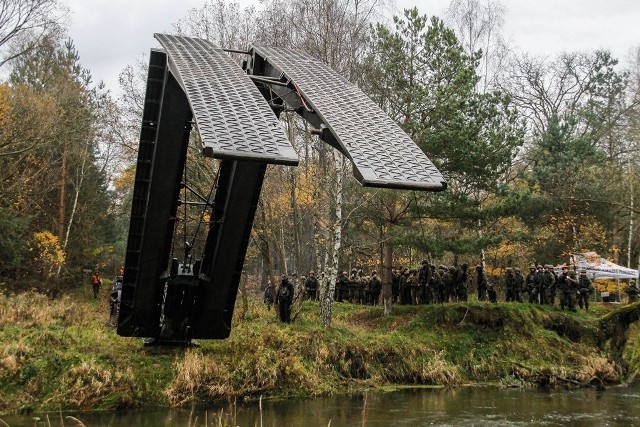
(508, 249)
(277, 190)
(27, 118)
(607, 285)
(47, 252)
(125, 180)
(305, 186)
(4, 103)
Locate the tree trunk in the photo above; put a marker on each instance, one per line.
(327, 288)
(631, 215)
(74, 207)
(296, 223)
(63, 193)
(243, 295)
(482, 253)
(387, 277)
(337, 238)
(265, 252)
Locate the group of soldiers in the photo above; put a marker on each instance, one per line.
(542, 285)
(430, 284)
(356, 288)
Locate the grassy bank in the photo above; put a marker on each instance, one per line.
(62, 354)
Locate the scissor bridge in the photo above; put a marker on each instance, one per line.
(236, 115)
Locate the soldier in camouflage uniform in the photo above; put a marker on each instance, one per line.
(353, 286)
(375, 285)
(443, 286)
(481, 278)
(492, 294)
(518, 285)
(365, 290)
(550, 284)
(424, 277)
(462, 279)
(342, 287)
(632, 292)
(405, 292)
(540, 285)
(568, 287)
(395, 284)
(450, 293)
(585, 289)
(414, 287)
(436, 284)
(508, 285)
(311, 287)
(529, 284)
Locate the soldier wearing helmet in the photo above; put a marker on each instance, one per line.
(585, 289)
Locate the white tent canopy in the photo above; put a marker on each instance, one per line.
(599, 268)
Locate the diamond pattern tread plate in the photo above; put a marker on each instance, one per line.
(232, 117)
(382, 153)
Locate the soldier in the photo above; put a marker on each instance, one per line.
(376, 287)
(405, 292)
(353, 286)
(462, 279)
(529, 284)
(285, 299)
(509, 284)
(414, 287)
(492, 294)
(342, 287)
(568, 288)
(585, 289)
(434, 285)
(365, 290)
(311, 287)
(518, 285)
(540, 285)
(550, 284)
(451, 285)
(443, 285)
(362, 287)
(268, 296)
(395, 284)
(555, 283)
(424, 277)
(632, 292)
(481, 283)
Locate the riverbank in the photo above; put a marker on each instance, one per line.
(63, 355)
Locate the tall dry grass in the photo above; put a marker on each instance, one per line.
(62, 353)
(35, 309)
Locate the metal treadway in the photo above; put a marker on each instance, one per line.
(383, 155)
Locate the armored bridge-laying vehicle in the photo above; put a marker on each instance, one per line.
(235, 110)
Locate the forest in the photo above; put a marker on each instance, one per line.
(540, 154)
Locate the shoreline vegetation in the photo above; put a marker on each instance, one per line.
(62, 354)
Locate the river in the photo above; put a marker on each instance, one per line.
(467, 406)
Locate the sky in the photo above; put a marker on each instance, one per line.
(111, 34)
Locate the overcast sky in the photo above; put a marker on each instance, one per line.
(109, 34)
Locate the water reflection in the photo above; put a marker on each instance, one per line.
(414, 407)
